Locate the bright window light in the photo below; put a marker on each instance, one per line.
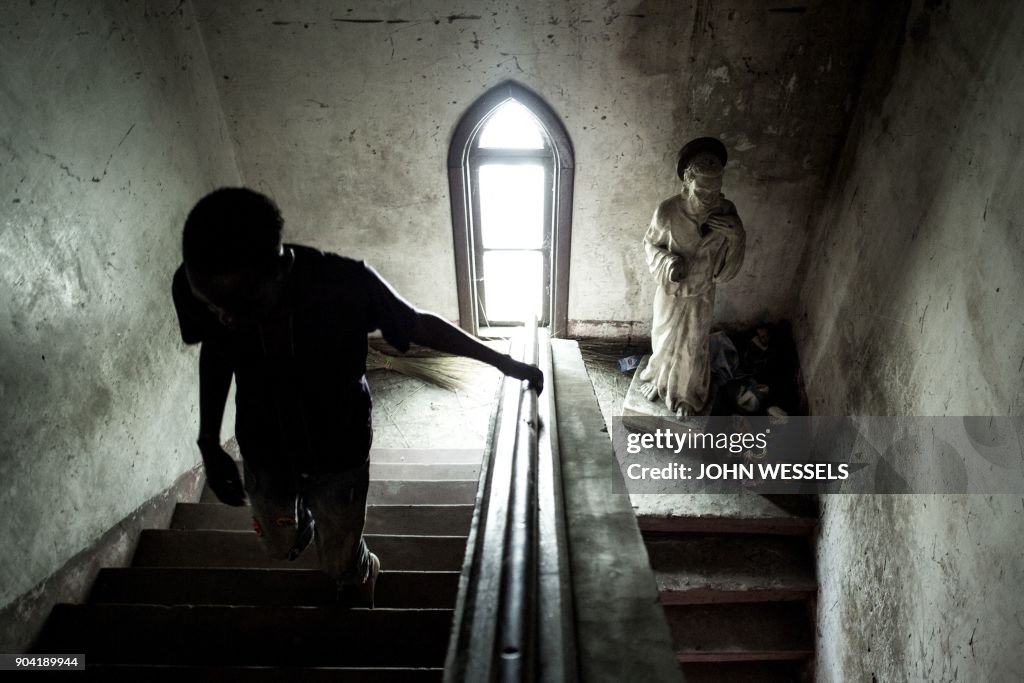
(513, 285)
(512, 206)
(512, 126)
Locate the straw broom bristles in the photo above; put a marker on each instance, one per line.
(448, 372)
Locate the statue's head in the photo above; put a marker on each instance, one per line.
(700, 167)
(702, 180)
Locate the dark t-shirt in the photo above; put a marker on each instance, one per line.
(301, 393)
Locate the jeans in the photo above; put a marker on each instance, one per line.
(336, 504)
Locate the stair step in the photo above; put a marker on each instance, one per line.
(419, 520)
(466, 456)
(471, 456)
(422, 492)
(264, 587)
(263, 674)
(405, 493)
(744, 672)
(398, 471)
(266, 636)
(176, 548)
(741, 631)
(748, 513)
(418, 471)
(701, 568)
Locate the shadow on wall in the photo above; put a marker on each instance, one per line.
(773, 83)
(917, 165)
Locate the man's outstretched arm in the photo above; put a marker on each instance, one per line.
(439, 334)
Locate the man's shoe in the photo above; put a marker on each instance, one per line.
(364, 591)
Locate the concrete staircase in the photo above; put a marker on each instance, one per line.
(736, 578)
(202, 602)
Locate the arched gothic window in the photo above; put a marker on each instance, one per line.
(510, 171)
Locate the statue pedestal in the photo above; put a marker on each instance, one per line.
(642, 415)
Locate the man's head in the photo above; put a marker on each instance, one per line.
(233, 255)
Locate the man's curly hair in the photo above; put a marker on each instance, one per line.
(232, 229)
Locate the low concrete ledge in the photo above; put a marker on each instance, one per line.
(621, 631)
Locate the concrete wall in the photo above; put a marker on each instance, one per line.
(911, 306)
(110, 130)
(344, 112)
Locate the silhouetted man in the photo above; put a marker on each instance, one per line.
(290, 323)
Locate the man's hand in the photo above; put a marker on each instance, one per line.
(221, 473)
(521, 371)
(430, 330)
(728, 224)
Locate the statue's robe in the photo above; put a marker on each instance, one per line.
(679, 366)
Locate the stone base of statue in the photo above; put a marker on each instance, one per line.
(639, 414)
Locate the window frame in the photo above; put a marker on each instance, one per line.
(480, 157)
(464, 158)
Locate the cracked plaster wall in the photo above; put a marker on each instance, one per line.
(911, 306)
(344, 111)
(109, 131)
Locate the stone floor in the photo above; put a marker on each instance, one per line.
(411, 413)
(610, 383)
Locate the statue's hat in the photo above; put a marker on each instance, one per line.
(712, 146)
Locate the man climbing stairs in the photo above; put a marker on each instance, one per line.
(201, 601)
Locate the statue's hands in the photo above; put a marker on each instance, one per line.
(729, 224)
(677, 271)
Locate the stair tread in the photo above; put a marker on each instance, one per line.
(740, 631)
(177, 548)
(467, 456)
(389, 492)
(429, 520)
(397, 471)
(266, 587)
(415, 470)
(707, 564)
(382, 455)
(726, 513)
(423, 471)
(275, 636)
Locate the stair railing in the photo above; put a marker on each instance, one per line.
(514, 617)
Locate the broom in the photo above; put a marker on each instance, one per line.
(605, 352)
(448, 372)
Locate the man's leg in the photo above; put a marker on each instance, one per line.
(273, 499)
(337, 502)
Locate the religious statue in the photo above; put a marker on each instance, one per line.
(695, 241)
